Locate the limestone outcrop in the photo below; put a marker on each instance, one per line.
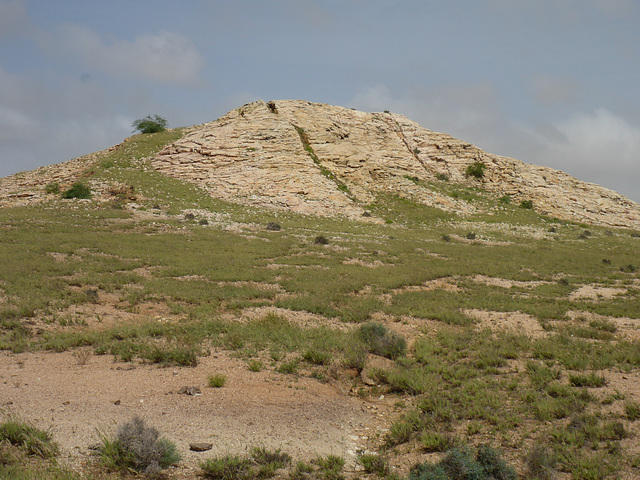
(324, 160)
(319, 159)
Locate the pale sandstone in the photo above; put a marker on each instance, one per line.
(255, 156)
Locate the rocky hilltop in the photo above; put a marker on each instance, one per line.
(320, 159)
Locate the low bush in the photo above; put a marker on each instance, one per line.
(526, 204)
(77, 190)
(320, 240)
(460, 463)
(380, 341)
(540, 463)
(150, 124)
(375, 464)
(632, 411)
(31, 440)
(587, 380)
(217, 381)
(330, 467)
(255, 365)
(277, 457)
(476, 170)
(436, 441)
(229, 467)
(273, 227)
(138, 447)
(53, 187)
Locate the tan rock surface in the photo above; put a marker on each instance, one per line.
(255, 155)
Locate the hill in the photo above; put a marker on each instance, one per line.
(319, 159)
(380, 306)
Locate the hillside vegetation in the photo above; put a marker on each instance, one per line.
(505, 328)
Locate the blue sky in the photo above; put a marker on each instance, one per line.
(554, 83)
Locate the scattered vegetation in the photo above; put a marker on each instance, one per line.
(461, 463)
(458, 382)
(262, 463)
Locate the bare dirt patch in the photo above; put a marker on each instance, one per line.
(515, 322)
(595, 292)
(303, 416)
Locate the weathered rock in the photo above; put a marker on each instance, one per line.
(189, 391)
(324, 160)
(200, 447)
(319, 159)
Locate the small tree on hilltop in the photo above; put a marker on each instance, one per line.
(150, 124)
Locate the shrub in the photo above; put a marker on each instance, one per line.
(526, 204)
(375, 464)
(505, 200)
(632, 411)
(77, 190)
(476, 170)
(150, 124)
(254, 365)
(355, 356)
(277, 457)
(32, 440)
(330, 467)
(540, 463)
(461, 464)
(228, 467)
(317, 357)
(290, 367)
(53, 187)
(587, 380)
(273, 227)
(320, 240)
(436, 442)
(138, 447)
(217, 381)
(381, 341)
(443, 177)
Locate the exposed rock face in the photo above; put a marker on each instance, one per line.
(319, 159)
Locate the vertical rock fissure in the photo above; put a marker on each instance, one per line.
(325, 171)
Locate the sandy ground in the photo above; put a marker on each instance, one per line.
(302, 416)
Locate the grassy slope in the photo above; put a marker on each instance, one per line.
(459, 384)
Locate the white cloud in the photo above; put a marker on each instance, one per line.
(598, 142)
(166, 57)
